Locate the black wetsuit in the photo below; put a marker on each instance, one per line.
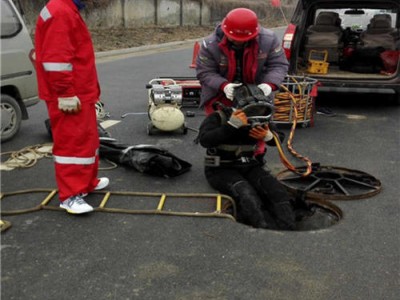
(262, 201)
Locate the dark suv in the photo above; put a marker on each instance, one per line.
(350, 46)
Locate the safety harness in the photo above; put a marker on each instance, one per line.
(244, 153)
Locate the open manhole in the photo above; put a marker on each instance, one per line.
(331, 183)
(311, 214)
(316, 214)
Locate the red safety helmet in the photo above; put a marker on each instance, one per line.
(241, 25)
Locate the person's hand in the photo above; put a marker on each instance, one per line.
(229, 90)
(69, 104)
(266, 88)
(238, 119)
(261, 133)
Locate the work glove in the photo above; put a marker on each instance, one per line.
(229, 90)
(266, 88)
(238, 119)
(261, 133)
(69, 104)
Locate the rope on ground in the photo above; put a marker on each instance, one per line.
(26, 157)
(29, 156)
(4, 225)
(112, 166)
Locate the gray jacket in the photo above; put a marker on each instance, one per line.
(215, 63)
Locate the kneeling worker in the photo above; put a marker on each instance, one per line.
(239, 51)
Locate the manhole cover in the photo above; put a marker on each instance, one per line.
(331, 183)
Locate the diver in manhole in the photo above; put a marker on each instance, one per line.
(235, 141)
(233, 168)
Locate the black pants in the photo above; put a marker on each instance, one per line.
(262, 201)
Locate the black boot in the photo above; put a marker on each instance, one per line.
(249, 205)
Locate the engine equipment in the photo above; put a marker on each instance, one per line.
(165, 102)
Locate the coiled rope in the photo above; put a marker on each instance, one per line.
(283, 107)
(26, 157)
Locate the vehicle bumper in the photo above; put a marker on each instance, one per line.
(359, 90)
(388, 87)
(31, 101)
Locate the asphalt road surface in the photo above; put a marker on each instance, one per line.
(52, 255)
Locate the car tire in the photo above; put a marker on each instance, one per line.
(11, 117)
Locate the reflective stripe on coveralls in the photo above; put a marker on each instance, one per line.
(75, 160)
(45, 14)
(57, 66)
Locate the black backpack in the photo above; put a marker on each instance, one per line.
(364, 60)
(147, 159)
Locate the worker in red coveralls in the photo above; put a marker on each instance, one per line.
(238, 52)
(68, 82)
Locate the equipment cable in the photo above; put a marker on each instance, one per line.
(294, 100)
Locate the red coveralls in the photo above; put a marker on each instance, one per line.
(65, 65)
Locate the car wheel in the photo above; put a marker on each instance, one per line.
(11, 117)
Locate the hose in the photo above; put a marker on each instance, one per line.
(282, 99)
(283, 110)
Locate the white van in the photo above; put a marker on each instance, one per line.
(18, 76)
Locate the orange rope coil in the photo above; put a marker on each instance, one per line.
(287, 106)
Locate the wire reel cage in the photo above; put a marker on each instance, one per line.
(295, 90)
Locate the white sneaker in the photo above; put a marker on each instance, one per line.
(103, 183)
(76, 205)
